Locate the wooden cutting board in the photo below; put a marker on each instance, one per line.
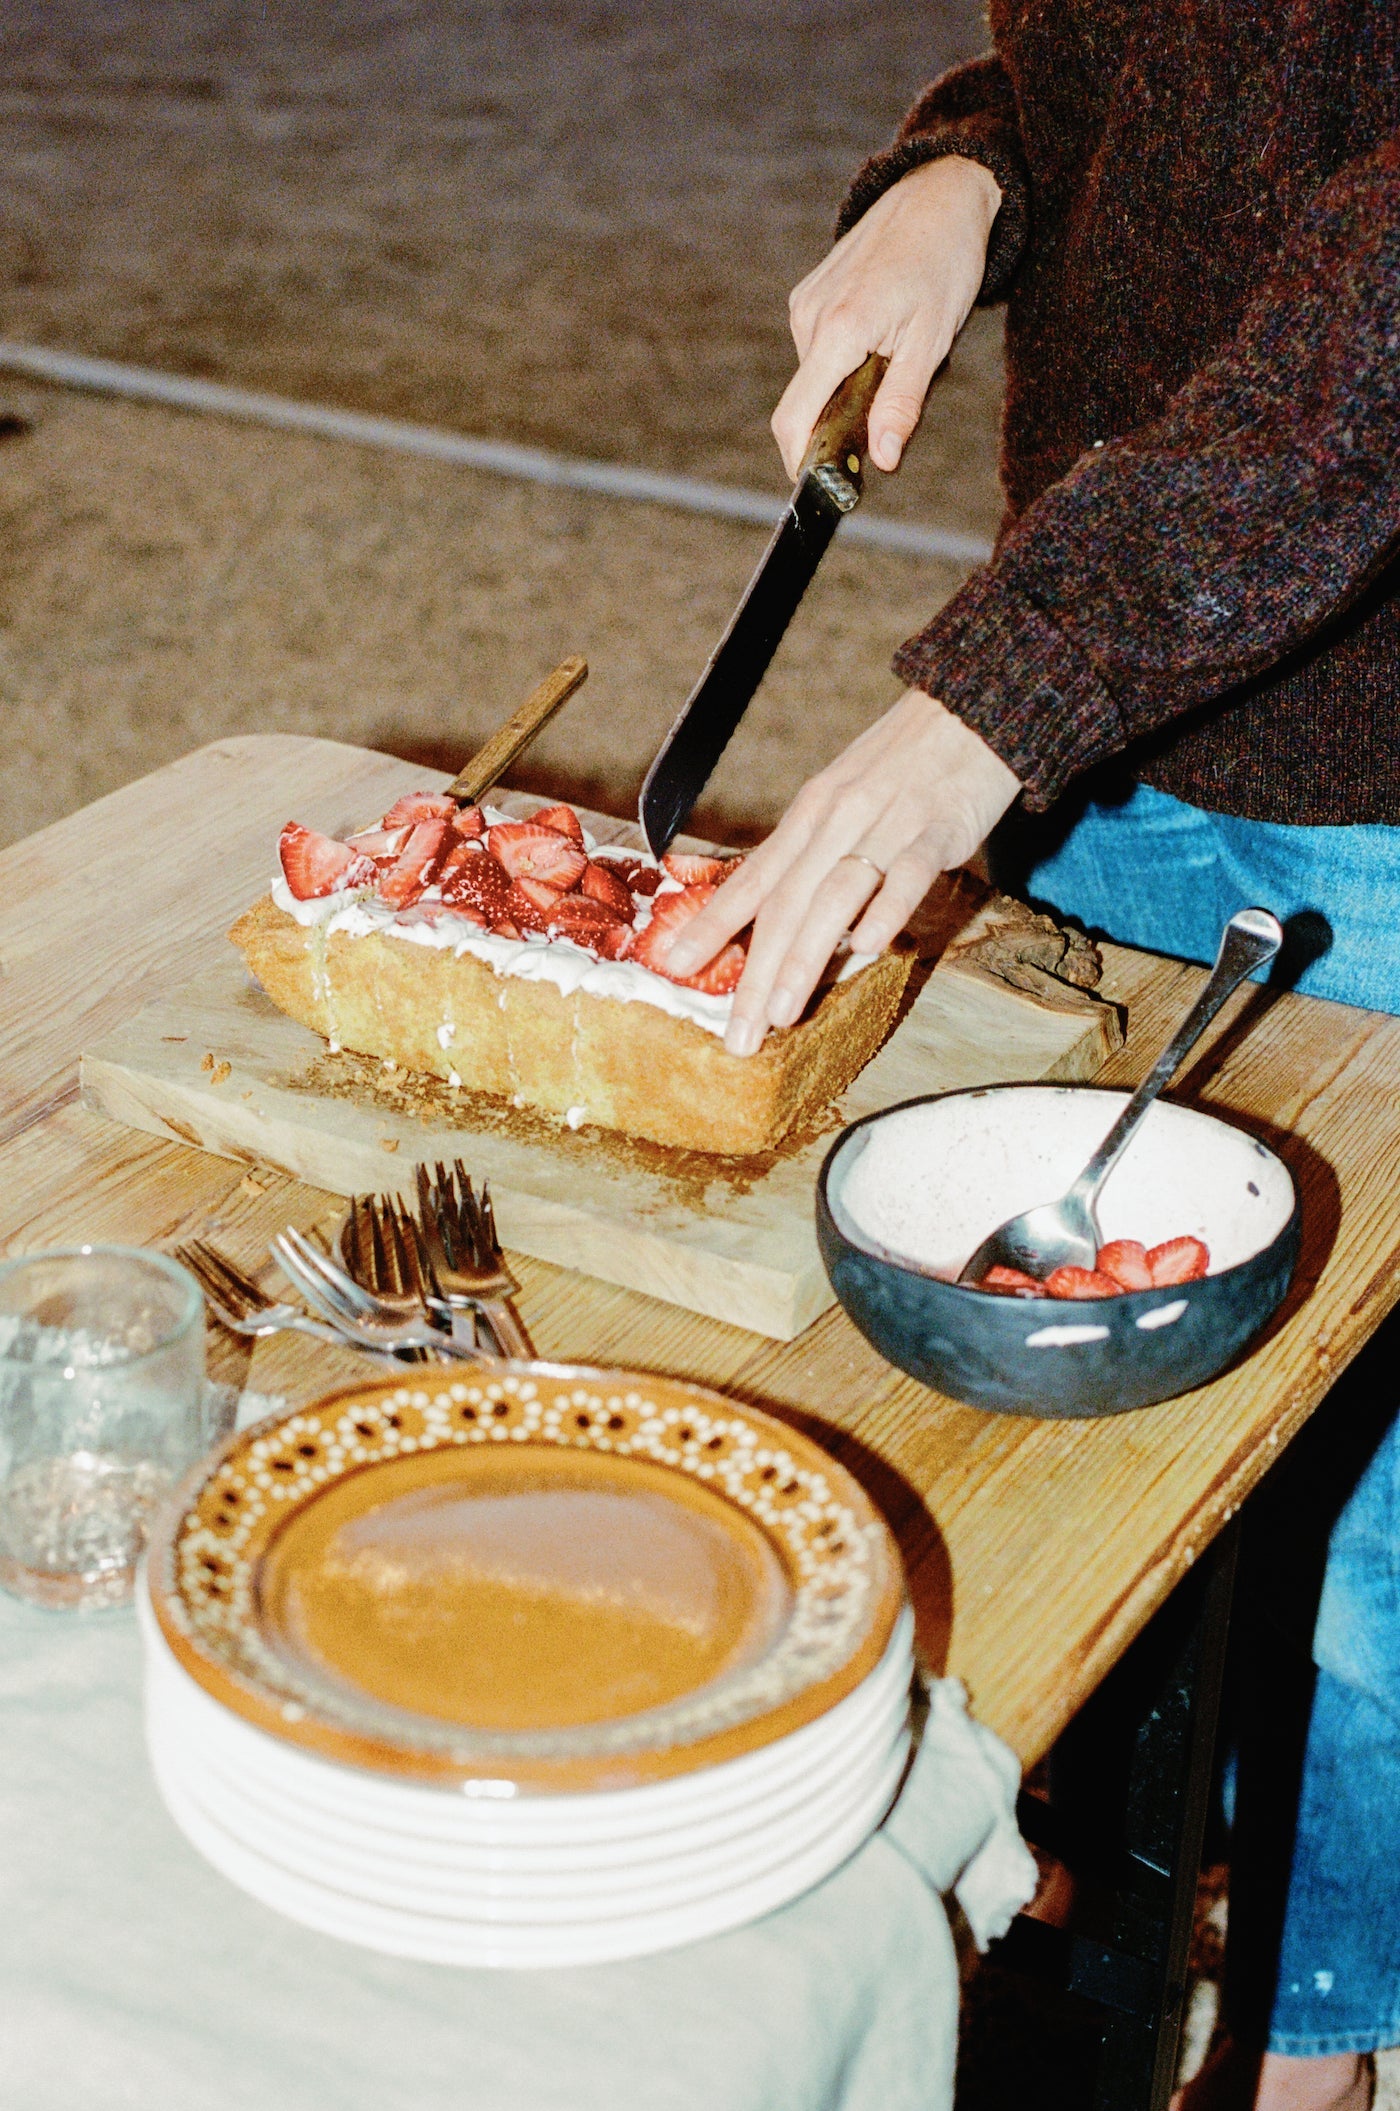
(217, 1066)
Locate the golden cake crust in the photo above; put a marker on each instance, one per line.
(627, 1066)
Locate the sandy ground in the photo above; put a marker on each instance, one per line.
(568, 223)
(165, 580)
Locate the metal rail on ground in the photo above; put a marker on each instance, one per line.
(531, 465)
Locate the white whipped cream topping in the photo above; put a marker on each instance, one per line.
(356, 912)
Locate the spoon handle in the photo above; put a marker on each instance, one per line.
(1251, 937)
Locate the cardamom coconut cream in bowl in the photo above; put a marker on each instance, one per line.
(908, 1194)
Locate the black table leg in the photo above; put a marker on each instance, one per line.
(1130, 1790)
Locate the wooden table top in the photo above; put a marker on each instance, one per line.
(1036, 1550)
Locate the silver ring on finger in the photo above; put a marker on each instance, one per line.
(858, 857)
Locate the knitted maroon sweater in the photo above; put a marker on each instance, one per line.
(1199, 245)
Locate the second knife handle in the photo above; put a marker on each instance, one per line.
(839, 436)
(490, 763)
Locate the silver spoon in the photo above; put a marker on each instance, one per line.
(1065, 1234)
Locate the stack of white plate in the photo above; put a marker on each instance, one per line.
(555, 1668)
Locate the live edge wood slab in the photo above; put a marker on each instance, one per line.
(217, 1065)
(1035, 1550)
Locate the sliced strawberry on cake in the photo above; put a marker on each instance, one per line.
(693, 870)
(531, 902)
(476, 885)
(637, 874)
(588, 923)
(601, 884)
(314, 865)
(419, 806)
(530, 852)
(416, 866)
(563, 820)
(670, 914)
(381, 844)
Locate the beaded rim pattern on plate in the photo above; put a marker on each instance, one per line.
(843, 1568)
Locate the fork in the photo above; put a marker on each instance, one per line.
(382, 1248)
(459, 1233)
(326, 1286)
(239, 1304)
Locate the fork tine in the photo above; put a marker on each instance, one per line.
(423, 1261)
(448, 1214)
(482, 1252)
(362, 1240)
(488, 1218)
(390, 1277)
(235, 1289)
(405, 1247)
(194, 1261)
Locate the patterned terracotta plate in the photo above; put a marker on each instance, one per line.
(550, 1577)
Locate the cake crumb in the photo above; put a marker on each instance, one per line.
(388, 1143)
(219, 1071)
(251, 1185)
(206, 1061)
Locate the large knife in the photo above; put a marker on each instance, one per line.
(828, 487)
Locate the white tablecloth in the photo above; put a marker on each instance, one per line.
(132, 1975)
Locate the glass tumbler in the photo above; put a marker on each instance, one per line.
(101, 1411)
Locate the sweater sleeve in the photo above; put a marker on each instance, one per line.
(970, 111)
(1180, 560)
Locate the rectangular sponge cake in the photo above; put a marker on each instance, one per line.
(629, 1066)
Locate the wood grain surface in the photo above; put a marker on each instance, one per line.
(1036, 1550)
(217, 1065)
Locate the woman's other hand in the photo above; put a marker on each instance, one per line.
(901, 282)
(913, 796)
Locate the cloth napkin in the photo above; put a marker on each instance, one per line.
(134, 1976)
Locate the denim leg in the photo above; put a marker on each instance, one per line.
(1150, 871)
(1338, 1985)
(1144, 871)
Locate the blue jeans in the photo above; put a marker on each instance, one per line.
(1149, 871)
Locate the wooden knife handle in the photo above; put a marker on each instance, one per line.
(839, 435)
(490, 763)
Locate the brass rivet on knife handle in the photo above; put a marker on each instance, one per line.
(490, 763)
(836, 449)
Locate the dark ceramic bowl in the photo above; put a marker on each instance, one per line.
(907, 1194)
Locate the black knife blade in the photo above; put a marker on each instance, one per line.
(828, 487)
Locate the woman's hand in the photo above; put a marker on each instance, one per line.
(901, 282)
(912, 797)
